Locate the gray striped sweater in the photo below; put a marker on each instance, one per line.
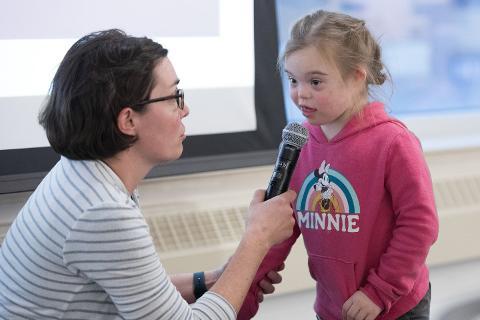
(81, 249)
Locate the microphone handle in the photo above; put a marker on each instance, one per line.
(284, 166)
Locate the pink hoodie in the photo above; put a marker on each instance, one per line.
(366, 210)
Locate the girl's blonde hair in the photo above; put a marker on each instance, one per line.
(342, 38)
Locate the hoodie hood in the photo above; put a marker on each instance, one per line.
(373, 114)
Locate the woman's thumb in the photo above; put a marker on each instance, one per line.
(258, 196)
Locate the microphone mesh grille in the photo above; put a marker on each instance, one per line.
(295, 134)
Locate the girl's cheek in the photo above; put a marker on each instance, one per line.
(293, 96)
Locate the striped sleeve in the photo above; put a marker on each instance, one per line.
(112, 247)
(215, 304)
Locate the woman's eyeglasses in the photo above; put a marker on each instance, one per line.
(178, 96)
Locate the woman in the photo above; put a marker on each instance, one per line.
(80, 247)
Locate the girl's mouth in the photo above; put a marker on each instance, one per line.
(307, 110)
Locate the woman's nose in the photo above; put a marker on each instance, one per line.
(185, 111)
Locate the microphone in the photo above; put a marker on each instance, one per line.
(294, 137)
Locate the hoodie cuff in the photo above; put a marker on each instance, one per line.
(371, 293)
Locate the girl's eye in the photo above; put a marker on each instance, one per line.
(292, 80)
(316, 82)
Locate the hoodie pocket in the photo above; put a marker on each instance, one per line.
(335, 279)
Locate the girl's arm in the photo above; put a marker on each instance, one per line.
(416, 223)
(273, 260)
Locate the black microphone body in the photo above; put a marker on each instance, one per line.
(284, 166)
(294, 136)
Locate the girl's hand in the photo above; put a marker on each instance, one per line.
(360, 307)
(267, 284)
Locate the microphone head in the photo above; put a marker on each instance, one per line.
(295, 134)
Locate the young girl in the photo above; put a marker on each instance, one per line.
(365, 204)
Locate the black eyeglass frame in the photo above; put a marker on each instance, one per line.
(179, 96)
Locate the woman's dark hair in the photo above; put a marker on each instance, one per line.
(101, 73)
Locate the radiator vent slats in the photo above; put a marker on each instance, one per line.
(191, 230)
(462, 192)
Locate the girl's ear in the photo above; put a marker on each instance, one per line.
(360, 74)
(125, 122)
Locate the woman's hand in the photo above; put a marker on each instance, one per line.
(270, 222)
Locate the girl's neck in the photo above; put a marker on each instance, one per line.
(330, 130)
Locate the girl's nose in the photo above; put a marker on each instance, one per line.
(303, 92)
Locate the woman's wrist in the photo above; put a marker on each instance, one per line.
(199, 285)
(256, 240)
(203, 281)
(212, 276)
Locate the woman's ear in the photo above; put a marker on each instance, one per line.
(125, 121)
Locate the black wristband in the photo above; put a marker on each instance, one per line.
(199, 286)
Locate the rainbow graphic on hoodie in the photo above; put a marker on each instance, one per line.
(327, 202)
